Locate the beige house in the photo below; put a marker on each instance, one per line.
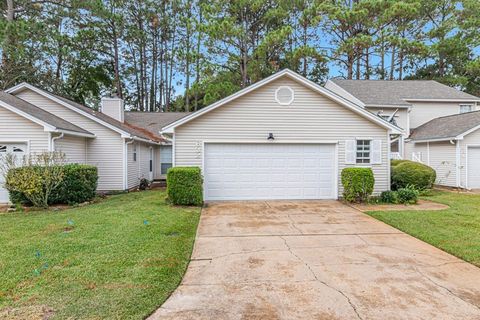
(440, 124)
(284, 137)
(118, 143)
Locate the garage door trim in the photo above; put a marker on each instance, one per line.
(312, 142)
(468, 146)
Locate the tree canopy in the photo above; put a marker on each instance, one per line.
(180, 55)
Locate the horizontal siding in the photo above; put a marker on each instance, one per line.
(473, 139)
(401, 117)
(138, 169)
(18, 129)
(73, 147)
(441, 156)
(310, 118)
(105, 151)
(422, 112)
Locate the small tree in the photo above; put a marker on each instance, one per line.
(36, 175)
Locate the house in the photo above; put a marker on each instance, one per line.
(440, 124)
(284, 137)
(123, 146)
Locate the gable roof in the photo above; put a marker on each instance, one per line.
(447, 128)
(153, 121)
(399, 92)
(296, 77)
(40, 116)
(130, 131)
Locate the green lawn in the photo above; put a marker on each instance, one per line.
(455, 230)
(119, 258)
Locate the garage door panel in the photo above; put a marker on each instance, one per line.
(269, 171)
(473, 168)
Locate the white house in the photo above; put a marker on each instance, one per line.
(33, 120)
(440, 124)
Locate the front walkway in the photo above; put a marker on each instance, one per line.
(316, 260)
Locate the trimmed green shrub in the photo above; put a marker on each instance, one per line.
(394, 163)
(389, 197)
(185, 186)
(357, 184)
(79, 184)
(408, 195)
(412, 173)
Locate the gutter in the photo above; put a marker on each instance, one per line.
(125, 163)
(54, 139)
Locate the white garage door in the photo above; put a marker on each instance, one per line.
(473, 168)
(19, 150)
(269, 171)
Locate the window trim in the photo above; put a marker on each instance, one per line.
(363, 160)
(285, 88)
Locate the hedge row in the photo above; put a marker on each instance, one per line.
(79, 185)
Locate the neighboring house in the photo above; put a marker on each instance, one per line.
(33, 120)
(440, 124)
(284, 137)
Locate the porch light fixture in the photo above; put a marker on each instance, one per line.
(270, 137)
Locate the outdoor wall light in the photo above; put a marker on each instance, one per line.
(270, 136)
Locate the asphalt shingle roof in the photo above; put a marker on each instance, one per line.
(394, 92)
(153, 121)
(40, 114)
(129, 128)
(447, 127)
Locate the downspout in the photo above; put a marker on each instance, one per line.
(53, 141)
(125, 161)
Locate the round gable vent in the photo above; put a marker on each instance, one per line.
(284, 95)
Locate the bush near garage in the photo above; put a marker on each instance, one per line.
(185, 186)
(357, 184)
(412, 173)
(389, 197)
(78, 184)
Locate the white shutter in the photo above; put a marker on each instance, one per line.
(350, 151)
(376, 155)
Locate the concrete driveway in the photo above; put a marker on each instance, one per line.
(316, 260)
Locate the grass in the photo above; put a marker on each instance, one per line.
(117, 259)
(455, 230)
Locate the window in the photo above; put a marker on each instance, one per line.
(165, 159)
(464, 108)
(363, 151)
(17, 149)
(134, 152)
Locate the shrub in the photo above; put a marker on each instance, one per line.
(412, 173)
(394, 163)
(184, 186)
(79, 184)
(144, 184)
(357, 184)
(408, 195)
(389, 197)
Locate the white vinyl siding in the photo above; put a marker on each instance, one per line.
(401, 117)
(105, 151)
(73, 147)
(310, 118)
(16, 128)
(140, 168)
(441, 156)
(422, 112)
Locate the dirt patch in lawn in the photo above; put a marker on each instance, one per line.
(36, 312)
(422, 205)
